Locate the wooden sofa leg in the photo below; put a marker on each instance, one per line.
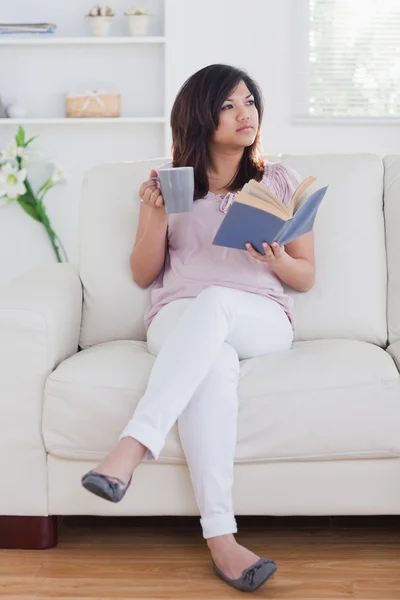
(28, 533)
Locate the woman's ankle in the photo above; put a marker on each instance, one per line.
(132, 447)
(221, 540)
(123, 459)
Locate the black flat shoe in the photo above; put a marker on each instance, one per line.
(253, 577)
(105, 486)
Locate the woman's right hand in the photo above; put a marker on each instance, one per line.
(150, 193)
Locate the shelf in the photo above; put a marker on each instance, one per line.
(33, 40)
(82, 121)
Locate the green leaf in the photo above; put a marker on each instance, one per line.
(46, 186)
(20, 137)
(31, 140)
(29, 192)
(29, 209)
(28, 198)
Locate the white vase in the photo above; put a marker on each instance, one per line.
(138, 24)
(16, 111)
(100, 26)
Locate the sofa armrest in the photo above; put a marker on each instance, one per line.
(40, 319)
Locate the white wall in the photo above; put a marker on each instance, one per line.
(256, 35)
(259, 36)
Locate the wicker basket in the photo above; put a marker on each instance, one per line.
(93, 104)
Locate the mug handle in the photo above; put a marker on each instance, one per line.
(155, 179)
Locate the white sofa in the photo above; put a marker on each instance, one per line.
(319, 426)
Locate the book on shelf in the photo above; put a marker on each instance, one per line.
(15, 28)
(257, 215)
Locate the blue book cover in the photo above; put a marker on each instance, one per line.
(244, 223)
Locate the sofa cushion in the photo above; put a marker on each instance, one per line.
(349, 297)
(320, 400)
(392, 221)
(347, 301)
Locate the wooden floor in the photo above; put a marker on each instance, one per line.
(167, 558)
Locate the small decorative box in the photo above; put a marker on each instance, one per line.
(93, 104)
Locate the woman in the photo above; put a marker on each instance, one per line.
(210, 308)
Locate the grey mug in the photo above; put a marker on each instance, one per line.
(177, 188)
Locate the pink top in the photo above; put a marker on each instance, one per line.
(193, 263)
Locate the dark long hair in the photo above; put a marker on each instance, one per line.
(195, 117)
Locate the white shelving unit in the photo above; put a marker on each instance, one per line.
(33, 40)
(82, 121)
(37, 71)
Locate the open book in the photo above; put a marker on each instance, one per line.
(257, 215)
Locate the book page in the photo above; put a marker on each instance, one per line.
(259, 190)
(267, 201)
(280, 212)
(264, 194)
(299, 192)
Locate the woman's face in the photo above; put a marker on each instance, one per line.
(238, 119)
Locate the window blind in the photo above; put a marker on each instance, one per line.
(348, 59)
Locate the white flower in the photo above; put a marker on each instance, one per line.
(13, 164)
(13, 151)
(10, 152)
(101, 10)
(135, 10)
(28, 155)
(12, 182)
(58, 174)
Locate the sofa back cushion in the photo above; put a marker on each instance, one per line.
(392, 220)
(347, 301)
(349, 297)
(113, 305)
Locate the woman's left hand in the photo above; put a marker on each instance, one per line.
(273, 254)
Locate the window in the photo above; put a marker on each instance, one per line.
(347, 64)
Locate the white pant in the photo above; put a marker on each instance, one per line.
(198, 344)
